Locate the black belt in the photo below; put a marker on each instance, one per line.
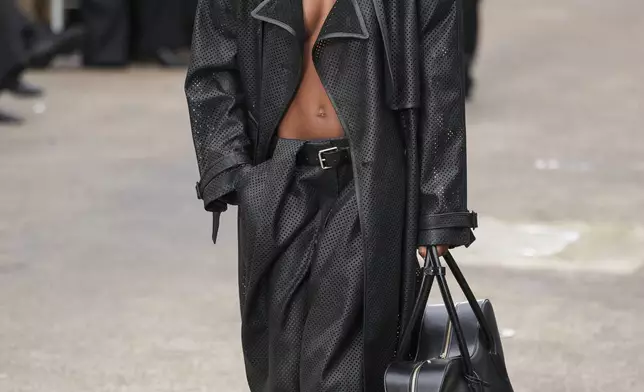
(328, 154)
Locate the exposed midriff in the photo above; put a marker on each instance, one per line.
(311, 114)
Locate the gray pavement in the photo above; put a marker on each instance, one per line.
(108, 281)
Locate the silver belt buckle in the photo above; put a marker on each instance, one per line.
(322, 159)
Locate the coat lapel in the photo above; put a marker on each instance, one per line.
(344, 31)
(286, 14)
(344, 21)
(281, 42)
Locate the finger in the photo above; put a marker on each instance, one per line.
(442, 249)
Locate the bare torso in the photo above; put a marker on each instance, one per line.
(311, 114)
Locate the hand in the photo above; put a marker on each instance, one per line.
(442, 249)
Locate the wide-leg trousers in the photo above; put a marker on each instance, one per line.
(301, 276)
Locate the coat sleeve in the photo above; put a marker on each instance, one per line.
(444, 218)
(215, 102)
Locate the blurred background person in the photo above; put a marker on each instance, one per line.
(121, 31)
(24, 43)
(107, 32)
(471, 38)
(160, 31)
(12, 54)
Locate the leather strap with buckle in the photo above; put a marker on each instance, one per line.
(326, 155)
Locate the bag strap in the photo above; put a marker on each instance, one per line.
(419, 308)
(434, 270)
(490, 342)
(429, 273)
(451, 311)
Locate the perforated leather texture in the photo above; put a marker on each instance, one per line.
(301, 276)
(393, 71)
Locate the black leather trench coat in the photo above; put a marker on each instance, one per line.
(393, 70)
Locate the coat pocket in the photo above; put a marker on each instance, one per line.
(250, 175)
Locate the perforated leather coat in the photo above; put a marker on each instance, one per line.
(393, 70)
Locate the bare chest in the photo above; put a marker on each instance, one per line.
(315, 13)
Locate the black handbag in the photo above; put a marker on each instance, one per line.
(443, 333)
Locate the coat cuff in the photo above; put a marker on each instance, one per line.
(453, 229)
(451, 237)
(217, 185)
(219, 192)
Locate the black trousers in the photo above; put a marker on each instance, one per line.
(107, 32)
(157, 24)
(13, 55)
(117, 30)
(470, 33)
(301, 276)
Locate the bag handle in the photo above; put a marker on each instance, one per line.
(429, 273)
(434, 270)
(419, 307)
(473, 381)
(451, 311)
(471, 299)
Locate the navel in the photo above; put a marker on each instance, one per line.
(321, 112)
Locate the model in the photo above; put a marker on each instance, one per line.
(338, 128)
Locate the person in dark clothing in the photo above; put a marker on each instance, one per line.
(119, 31)
(338, 128)
(39, 44)
(13, 57)
(107, 27)
(471, 40)
(189, 12)
(22, 44)
(159, 31)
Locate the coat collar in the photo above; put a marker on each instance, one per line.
(344, 21)
(286, 14)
